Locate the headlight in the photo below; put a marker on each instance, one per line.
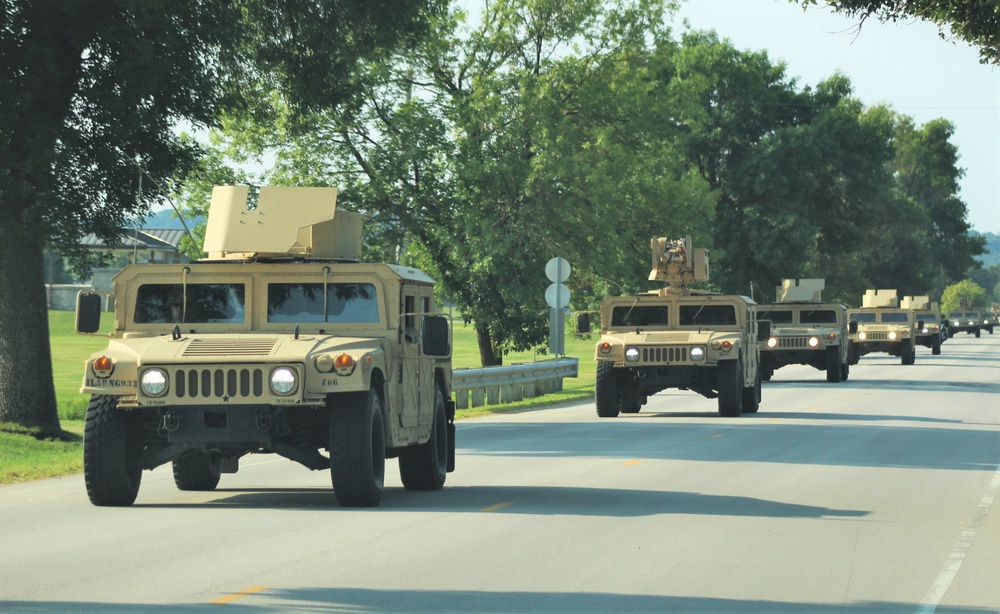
(971, 323)
(697, 353)
(892, 335)
(283, 381)
(813, 342)
(772, 342)
(153, 383)
(862, 336)
(925, 330)
(631, 354)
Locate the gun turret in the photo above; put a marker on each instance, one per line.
(919, 303)
(879, 298)
(287, 222)
(800, 290)
(676, 263)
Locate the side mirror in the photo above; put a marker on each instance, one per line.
(583, 323)
(88, 312)
(852, 327)
(435, 336)
(763, 329)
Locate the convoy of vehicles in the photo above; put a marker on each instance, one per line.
(280, 342)
(678, 337)
(805, 331)
(882, 326)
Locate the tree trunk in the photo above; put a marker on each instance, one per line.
(487, 353)
(27, 392)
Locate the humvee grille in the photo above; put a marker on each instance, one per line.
(234, 383)
(230, 347)
(877, 336)
(664, 354)
(793, 342)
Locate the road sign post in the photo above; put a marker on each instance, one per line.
(557, 297)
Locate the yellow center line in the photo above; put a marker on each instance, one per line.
(494, 508)
(234, 596)
(716, 436)
(630, 463)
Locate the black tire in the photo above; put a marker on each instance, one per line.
(853, 357)
(630, 401)
(907, 352)
(766, 373)
(751, 396)
(425, 466)
(833, 373)
(845, 371)
(936, 346)
(197, 471)
(606, 390)
(112, 443)
(977, 332)
(357, 448)
(730, 383)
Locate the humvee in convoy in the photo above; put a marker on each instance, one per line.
(280, 341)
(882, 326)
(931, 335)
(964, 321)
(677, 337)
(804, 330)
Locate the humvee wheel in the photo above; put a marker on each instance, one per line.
(751, 397)
(908, 352)
(197, 471)
(936, 346)
(977, 332)
(425, 466)
(357, 448)
(606, 390)
(111, 446)
(845, 371)
(766, 373)
(833, 372)
(730, 382)
(629, 402)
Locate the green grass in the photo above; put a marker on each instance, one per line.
(26, 456)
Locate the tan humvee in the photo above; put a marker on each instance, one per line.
(805, 330)
(279, 342)
(676, 337)
(882, 326)
(931, 335)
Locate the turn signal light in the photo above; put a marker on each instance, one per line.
(103, 367)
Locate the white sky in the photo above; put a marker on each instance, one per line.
(906, 65)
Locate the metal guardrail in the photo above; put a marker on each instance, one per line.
(495, 385)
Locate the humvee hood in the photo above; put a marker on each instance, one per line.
(238, 348)
(673, 336)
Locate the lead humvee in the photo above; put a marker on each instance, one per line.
(676, 337)
(882, 326)
(280, 341)
(805, 330)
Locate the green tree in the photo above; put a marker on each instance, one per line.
(964, 294)
(976, 22)
(89, 94)
(486, 150)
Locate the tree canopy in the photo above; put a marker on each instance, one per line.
(976, 22)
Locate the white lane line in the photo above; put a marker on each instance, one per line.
(941, 584)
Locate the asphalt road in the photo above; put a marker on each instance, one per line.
(871, 495)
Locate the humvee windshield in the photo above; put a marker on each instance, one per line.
(303, 302)
(818, 316)
(897, 317)
(863, 317)
(783, 316)
(203, 303)
(929, 317)
(646, 315)
(715, 315)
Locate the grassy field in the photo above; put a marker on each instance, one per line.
(24, 457)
